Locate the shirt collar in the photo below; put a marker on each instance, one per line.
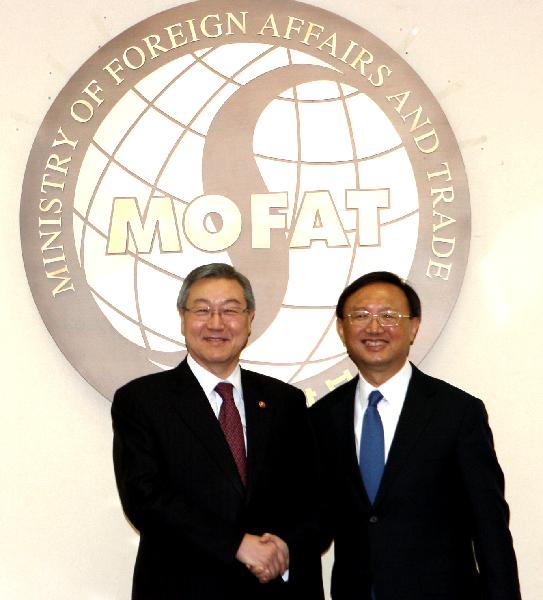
(393, 390)
(208, 380)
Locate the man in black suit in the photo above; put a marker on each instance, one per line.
(413, 490)
(219, 481)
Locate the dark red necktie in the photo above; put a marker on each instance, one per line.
(232, 428)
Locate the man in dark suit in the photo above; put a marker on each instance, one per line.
(218, 479)
(414, 492)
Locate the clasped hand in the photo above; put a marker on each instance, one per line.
(265, 556)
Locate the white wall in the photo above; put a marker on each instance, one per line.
(63, 535)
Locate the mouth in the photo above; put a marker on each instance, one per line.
(215, 340)
(374, 345)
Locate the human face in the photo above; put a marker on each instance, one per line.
(378, 352)
(216, 343)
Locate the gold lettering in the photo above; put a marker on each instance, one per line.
(196, 215)
(93, 92)
(51, 237)
(45, 183)
(291, 27)
(415, 123)
(400, 100)
(331, 42)
(432, 137)
(446, 172)
(382, 70)
(56, 222)
(190, 23)
(360, 60)
(443, 195)
(310, 396)
(444, 221)
(154, 45)
(159, 221)
(438, 269)
(270, 24)
(443, 252)
(352, 46)
(82, 116)
(48, 261)
(54, 163)
(318, 219)
(46, 205)
(231, 19)
(113, 72)
(63, 284)
(218, 26)
(309, 33)
(63, 140)
(368, 204)
(178, 33)
(263, 220)
(332, 384)
(139, 52)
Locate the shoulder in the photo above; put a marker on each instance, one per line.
(281, 395)
(149, 381)
(265, 382)
(420, 380)
(149, 386)
(442, 392)
(336, 399)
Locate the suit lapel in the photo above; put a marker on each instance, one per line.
(259, 413)
(416, 412)
(344, 425)
(191, 404)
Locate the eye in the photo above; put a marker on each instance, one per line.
(202, 311)
(360, 316)
(389, 317)
(389, 314)
(231, 311)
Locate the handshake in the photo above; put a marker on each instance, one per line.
(265, 556)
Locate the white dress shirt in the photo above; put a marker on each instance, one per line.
(389, 408)
(208, 381)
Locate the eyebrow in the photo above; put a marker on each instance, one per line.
(227, 301)
(388, 307)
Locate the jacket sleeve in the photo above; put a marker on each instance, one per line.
(152, 504)
(306, 535)
(484, 486)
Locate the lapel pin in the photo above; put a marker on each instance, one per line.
(261, 404)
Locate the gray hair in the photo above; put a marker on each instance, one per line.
(215, 271)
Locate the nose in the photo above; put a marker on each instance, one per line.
(215, 320)
(374, 325)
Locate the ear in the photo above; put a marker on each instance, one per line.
(340, 332)
(182, 316)
(415, 324)
(251, 317)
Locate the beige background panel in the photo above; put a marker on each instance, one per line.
(63, 533)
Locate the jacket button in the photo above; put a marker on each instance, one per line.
(373, 519)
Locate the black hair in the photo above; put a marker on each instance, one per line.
(380, 277)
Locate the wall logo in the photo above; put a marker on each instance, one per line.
(272, 135)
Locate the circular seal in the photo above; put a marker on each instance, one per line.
(274, 136)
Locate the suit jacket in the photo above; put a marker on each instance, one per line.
(439, 526)
(179, 486)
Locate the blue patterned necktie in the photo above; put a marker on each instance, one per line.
(372, 446)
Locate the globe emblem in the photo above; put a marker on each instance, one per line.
(319, 134)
